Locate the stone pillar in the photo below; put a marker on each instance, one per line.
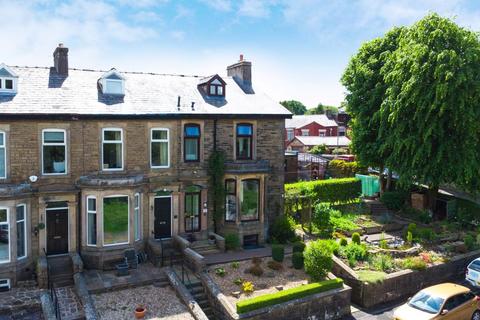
(42, 233)
(72, 225)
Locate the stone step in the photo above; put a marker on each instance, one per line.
(69, 304)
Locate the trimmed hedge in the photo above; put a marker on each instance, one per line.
(344, 169)
(333, 190)
(278, 252)
(287, 295)
(297, 260)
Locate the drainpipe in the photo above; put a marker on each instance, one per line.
(214, 150)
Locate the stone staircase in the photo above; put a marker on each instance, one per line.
(377, 208)
(69, 304)
(204, 247)
(61, 271)
(198, 293)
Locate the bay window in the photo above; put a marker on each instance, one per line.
(21, 231)
(249, 199)
(244, 141)
(3, 156)
(4, 236)
(91, 221)
(191, 143)
(159, 148)
(54, 152)
(231, 200)
(115, 220)
(112, 149)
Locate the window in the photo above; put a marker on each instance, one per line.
(192, 210)
(112, 152)
(216, 88)
(191, 143)
(4, 236)
(249, 199)
(91, 221)
(112, 83)
(231, 200)
(21, 231)
(4, 285)
(113, 86)
(137, 217)
(305, 132)
(159, 148)
(3, 156)
(115, 220)
(290, 134)
(341, 131)
(322, 132)
(244, 141)
(54, 151)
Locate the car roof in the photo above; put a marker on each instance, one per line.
(446, 290)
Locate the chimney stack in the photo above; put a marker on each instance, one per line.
(60, 60)
(241, 72)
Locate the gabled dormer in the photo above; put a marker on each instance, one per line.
(8, 80)
(213, 86)
(112, 83)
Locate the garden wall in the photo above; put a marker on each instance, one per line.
(403, 283)
(329, 305)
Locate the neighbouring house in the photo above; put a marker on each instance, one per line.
(343, 119)
(303, 144)
(317, 125)
(97, 162)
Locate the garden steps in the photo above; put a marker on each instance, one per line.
(204, 247)
(197, 291)
(377, 208)
(60, 271)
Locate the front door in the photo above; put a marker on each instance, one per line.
(57, 231)
(163, 218)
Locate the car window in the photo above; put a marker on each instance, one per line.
(475, 265)
(426, 302)
(457, 301)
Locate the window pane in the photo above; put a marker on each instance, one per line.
(244, 130)
(192, 131)
(220, 90)
(112, 135)
(231, 208)
(2, 139)
(249, 197)
(192, 212)
(2, 162)
(159, 134)
(115, 220)
(20, 213)
(4, 236)
(9, 84)
(53, 137)
(54, 159)
(230, 186)
(21, 244)
(112, 155)
(243, 148)
(159, 154)
(191, 149)
(92, 228)
(3, 215)
(92, 204)
(213, 90)
(114, 87)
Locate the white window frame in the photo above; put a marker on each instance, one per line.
(137, 212)
(322, 132)
(112, 142)
(64, 144)
(290, 134)
(103, 220)
(9, 236)
(6, 285)
(88, 220)
(157, 141)
(3, 81)
(307, 131)
(3, 145)
(25, 239)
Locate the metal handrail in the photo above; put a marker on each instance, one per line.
(51, 289)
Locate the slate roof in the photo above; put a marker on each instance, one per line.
(41, 91)
(303, 120)
(341, 141)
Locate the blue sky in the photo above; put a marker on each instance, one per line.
(299, 48)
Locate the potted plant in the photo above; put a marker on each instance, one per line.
(140, 311)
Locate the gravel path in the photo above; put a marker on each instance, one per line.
(161, 303)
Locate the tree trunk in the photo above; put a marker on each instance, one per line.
(389, 180)
(381, 178)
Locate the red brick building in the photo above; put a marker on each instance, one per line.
(318, 125)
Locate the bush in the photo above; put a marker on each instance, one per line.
(235, 265)
(297, 260)
(256, 270)
(412, 228)
(283, 229)
(356, 238)
(414, 263)
(354, 252)
(271, 299)
(275, 265)
(318, 259)
(409, 237)
(394, 200)
(278, 252)
(339, 151)
(232, 241)
(238, 281)
(321, 218)
(333, 245)
(319, 149)
(469, 241)
(248, 287)
(344, 169)
(331, 190)
(382, 262)
(343, 242)
(426, 234)
(298, 246)
(220, 272)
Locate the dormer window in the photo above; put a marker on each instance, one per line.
(213, 86)
(8, 80)
(112, 83)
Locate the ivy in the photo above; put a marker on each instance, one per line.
(216, 173)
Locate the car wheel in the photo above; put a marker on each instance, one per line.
(476, 315)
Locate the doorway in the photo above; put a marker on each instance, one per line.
(162, 217)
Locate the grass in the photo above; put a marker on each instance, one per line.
(371, 276)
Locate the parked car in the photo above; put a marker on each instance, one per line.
(472, 274)
(446, 301)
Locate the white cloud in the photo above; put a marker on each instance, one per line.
(220, 5)
(255, 8)
(178, 35)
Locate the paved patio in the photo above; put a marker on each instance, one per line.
(230, 256)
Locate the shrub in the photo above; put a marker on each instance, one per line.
(354, 252)
(344, 169)
(394, 200)
(331, 190)
(271, 299)
(248, 287)
(426, 234)
(343, 242)
(278, 252)
(382, 262)
(238, 281)
(283, 229)
(256, 260)
(412, 228)
(339, 151)
(297, 260)
(220, 272)
(356, 238)
(319, 149)
(298, 246)
(256, 270)
(321, 218)
(414, 263)
(333, 245)
(383, 243)
(425, 216)
(318, 259)
(469, 241)
(409, 237)
(275, 265)
(235, 265)
(232, 241)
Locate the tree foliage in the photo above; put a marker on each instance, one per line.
(295, 107)
(216, 172)
(319, 149)
(322, 109)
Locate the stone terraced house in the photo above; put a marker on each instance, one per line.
(96, 162)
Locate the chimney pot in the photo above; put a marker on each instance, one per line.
(241, 57)
(241, 72)
(60, 60)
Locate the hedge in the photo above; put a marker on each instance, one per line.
(333, 190)
(287, 295)
(343, 169)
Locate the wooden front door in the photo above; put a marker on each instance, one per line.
(57, 231)
(163, 218)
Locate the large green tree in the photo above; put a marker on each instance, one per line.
(431, 111)
(366, 89)
(321, 109)
(294, 106)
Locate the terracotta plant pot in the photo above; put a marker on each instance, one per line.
(140, 312)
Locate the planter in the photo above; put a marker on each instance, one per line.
(122, 269)
(140, 312)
